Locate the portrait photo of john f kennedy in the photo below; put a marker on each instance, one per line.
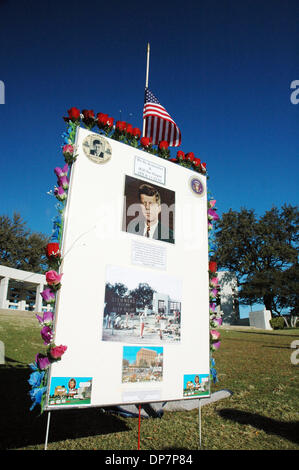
(149, 210)
(97, 148)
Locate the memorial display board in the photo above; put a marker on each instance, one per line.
(133, 307)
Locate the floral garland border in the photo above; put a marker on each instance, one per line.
(38, 379)
(125, 133)
(215, 317)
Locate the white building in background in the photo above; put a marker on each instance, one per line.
(20, 290)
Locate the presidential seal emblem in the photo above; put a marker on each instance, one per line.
(196, 186)
(97, 148)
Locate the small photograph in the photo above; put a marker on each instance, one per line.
(70, 391)
(141, 307)
(149, 210)
(97, 148)
(142, 364)
(196, 385)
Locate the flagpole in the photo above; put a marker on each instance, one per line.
(147, 64)
(146, 78)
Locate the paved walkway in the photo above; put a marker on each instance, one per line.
(156, 410)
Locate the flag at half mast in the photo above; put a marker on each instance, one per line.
(158, 123)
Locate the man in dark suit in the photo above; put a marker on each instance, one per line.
(148, 224)
(97, 149)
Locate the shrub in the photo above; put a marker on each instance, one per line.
(277, 323)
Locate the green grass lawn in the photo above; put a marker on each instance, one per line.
(262, 413)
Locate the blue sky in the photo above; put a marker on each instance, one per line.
(221, 68)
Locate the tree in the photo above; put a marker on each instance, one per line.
(114, 290)
(19, 247)
(143, 294)
(263, 253)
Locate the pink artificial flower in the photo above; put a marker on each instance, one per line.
(48, 296)
(214, 334)
(59, 172)
(57, 351)
(60, 193)
(212, 203)
(53, 278)
(68, 148)
(47, 334)
(63, 181)
(46, 319)
(218, 321)
(214, 281)
(212, 215)
(214, 292)
(42, 361)
(215, 346)
(212, 307)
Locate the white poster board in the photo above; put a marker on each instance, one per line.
(112, 361)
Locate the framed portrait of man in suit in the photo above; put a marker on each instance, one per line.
(149, 210)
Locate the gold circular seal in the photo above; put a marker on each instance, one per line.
(97, 148)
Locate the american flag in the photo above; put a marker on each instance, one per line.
(158, 124)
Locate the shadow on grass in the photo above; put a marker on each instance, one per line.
(286, 430)
(21, 427)
(9, 362)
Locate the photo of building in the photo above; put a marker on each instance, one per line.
(142, 364)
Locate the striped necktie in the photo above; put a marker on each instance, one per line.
(147, 229)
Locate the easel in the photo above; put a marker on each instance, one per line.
(139, 426)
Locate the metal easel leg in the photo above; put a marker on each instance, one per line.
(199, 422)
(47, 431)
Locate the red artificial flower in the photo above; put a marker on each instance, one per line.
(174, 160)
(110, 121)
(102, 119)
(196, 161)
(121, 126)
(52, 249)
(136, 132)
(180, 155)
(145, 141)
(204, 165)
(129, 129)
(74, 114)
(88, 113)
(190, 156)
(163, 145)
(212, 266)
